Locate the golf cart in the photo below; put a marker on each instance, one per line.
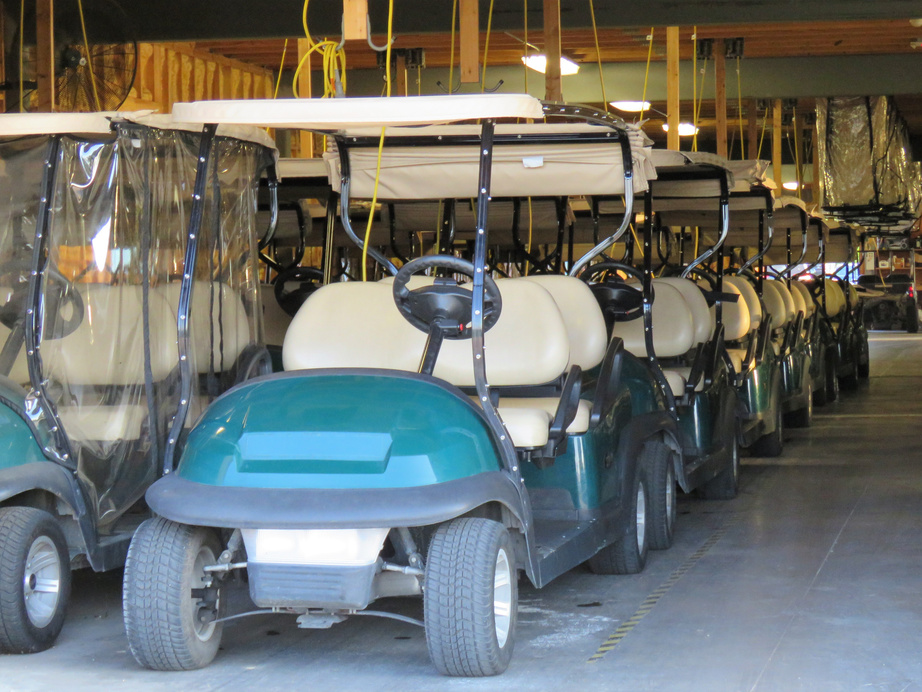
(427, 438)
(91, 250)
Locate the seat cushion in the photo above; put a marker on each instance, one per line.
(737, 357)
(801, 288)
(697, 305)
(684, 373)
(774, 304)
(673, 328)
(676, 381)
(835, 298)
(103, 423)
(528, 427)
(749, 294)
(581, 315)
(735, 316)
(785, 292)
(800, 304)
(579, 425)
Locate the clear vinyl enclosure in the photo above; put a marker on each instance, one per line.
(113, 255)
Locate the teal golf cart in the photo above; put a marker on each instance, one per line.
(92, 243)
(427, 438)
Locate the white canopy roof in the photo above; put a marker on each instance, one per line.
(339, 114)
(32, 124)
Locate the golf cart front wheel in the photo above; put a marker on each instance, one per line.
(34, 580)
(169, 602)
(657, 461)
(471, 598)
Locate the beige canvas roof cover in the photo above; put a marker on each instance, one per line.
(343, 114)
(520, 170)
(33, 124)
(247, 133)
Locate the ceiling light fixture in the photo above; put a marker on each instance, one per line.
(631, 106)
(685, 129)
(792, 185)
(538, 63)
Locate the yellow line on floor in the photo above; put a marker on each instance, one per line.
(654, 598)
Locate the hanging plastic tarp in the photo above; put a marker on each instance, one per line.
(113, 262)
(869, 175)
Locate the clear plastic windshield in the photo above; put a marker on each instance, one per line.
(110, 297)
(20, 179)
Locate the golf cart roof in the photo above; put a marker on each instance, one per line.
(34, 124)
(246, 133)
(342, 114)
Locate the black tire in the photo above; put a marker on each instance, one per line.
(163, 620)
(864, 370)
(772, 444)
(832, 383)
(34, 580)
(657, 462)
(628, 554)
(849, 382)
(725, 485)
(802, 417)
(464, 600)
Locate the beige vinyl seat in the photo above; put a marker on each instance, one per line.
(107, 350)
(219, 346)
(528, 346)
(800, 305)
(674, 331)
(835, 299)
(750, 299)
(804, 292)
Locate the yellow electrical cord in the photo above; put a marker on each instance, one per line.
(486, 50)
(530, 227)
(646, 76)
(278, 81)
(89, 61)
(333, 57)
(598, 53)
(451, 61)
(374, 196)
(739, 107)
(762, 137)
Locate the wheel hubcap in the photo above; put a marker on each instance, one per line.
(42, 582)
(502, 597)
(641, 519)
(203, 613)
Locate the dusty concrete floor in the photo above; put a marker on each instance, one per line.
(809, 580)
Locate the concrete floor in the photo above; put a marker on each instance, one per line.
(809, 580)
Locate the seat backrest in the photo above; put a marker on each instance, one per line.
(582, 316)
(229, 332)
(741, 284)
(801, 288)
(785, 292)
(697, 305)
(853, 295)
(357, 325)
(774, 304)
(673, 328)
(734, 316)
(107, 348)
(835, 298)
(800, 304)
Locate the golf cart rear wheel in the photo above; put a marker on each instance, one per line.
(34, 580)
(169, 626)
(628, 554)
(772, 444)
(471, 598)
(657, 461)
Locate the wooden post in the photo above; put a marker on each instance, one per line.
(306, 139)
(799, 158)
(401, 68)
(44, 46)
(553, 89)
(2, 60)
(720, 96)
(469, 28)
(355, 24)
(776, 145)
(752, 128)
(672, 87)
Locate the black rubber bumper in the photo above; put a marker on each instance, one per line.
(197, 504)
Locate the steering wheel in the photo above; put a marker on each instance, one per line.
(309, 279)
(444, 302)
(620, 301)
(58, 295)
